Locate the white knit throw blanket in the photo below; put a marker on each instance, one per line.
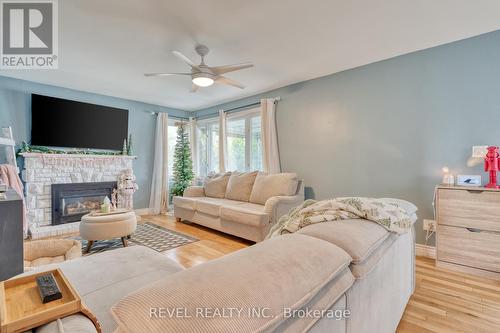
(389, 215)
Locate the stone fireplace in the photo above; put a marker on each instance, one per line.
(71, 201)
(45, 174)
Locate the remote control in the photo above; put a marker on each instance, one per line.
(48, 288)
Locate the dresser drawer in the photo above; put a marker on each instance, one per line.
(474, 249)
(469, 208)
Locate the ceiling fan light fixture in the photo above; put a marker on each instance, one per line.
(203, 75)
(203, 81)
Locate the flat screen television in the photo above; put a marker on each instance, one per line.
(57, 122)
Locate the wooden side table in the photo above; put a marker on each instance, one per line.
(21, 307)
(468, 229)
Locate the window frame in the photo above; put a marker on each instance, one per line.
(207, 122)
(247, 115)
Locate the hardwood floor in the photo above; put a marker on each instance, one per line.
(211, 245)
(449, 301)
(444, 301)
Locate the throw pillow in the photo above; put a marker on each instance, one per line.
(271, 185)
(215, 186)
(240, 186)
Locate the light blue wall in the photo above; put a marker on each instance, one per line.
(387, 129)
(15, 111)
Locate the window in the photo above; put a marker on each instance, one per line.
(243, 139)
(256, 144)
(236, 144)
(244, 142)
(208, 146)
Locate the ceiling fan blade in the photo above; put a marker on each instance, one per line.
(165, 74)
(194, 88)
(230, 68)
(185, 59)
(228, 81)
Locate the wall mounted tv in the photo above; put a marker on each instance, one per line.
(57, 122)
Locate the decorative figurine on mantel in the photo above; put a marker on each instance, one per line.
(126, 189)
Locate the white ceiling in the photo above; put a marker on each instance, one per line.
(106, 46)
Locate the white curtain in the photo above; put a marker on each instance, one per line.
(222, 142)
(192, 143)
(270, 152)
(158, 202)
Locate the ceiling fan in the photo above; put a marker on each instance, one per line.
(203, 75)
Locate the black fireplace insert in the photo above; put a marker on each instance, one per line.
(71, 201)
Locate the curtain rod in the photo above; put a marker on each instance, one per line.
(276, 99)
(169, 116)
(241, 107)
(236, 109)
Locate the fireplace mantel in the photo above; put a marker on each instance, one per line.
(41, 170)
(42, 155)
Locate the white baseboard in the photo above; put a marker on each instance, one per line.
(425, 251)
(146, 211)
(142, 211)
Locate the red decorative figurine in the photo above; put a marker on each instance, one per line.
(492, 164)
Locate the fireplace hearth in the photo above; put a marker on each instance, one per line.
(71, 201)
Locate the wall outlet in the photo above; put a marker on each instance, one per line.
(429, 225)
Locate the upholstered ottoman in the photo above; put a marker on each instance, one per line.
(101, 227)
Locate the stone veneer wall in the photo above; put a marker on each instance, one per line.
(43, 170)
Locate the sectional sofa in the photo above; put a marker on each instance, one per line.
(350, 276)
(242, 204)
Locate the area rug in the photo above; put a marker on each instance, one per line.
(147, 234)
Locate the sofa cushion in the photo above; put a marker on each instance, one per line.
(361, 269)
(272, 185)
(240, 186)
(212, 206)
(358, 237)
(215, 186)
(185, 202)
(299, 268)
(247, 213)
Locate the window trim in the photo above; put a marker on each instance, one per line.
(207, 122)
(247, 115)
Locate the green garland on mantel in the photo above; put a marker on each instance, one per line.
(27, 148)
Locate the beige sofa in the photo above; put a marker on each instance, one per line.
(303, 282)
(242, 204)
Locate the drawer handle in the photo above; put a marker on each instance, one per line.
(475, 191)
(473, 229)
